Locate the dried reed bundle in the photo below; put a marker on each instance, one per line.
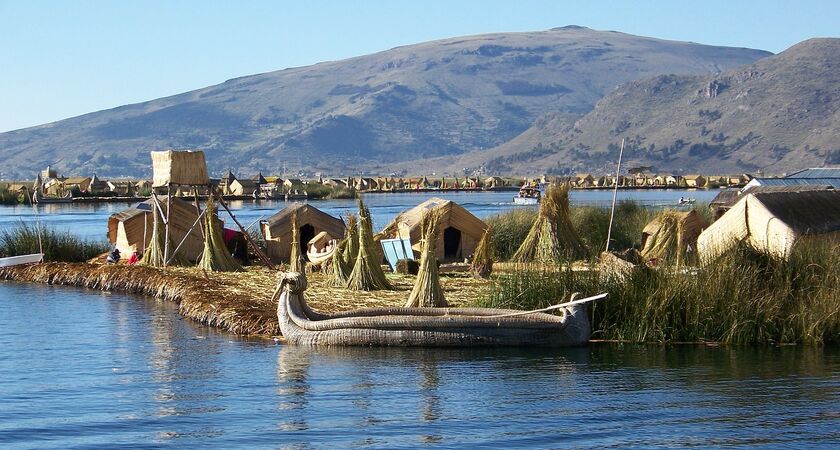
(351, 235)
(482, 261)
(153, 255)
(427, 291)
(367, 274)
(216, 256)
(338, 268)
(295, 257)
(552, 238)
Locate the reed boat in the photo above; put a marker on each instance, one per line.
(321, 248)
(40, 198)
(426, 327)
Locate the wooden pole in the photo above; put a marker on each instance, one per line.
(253, 244)
(167, 222)
(615, 194)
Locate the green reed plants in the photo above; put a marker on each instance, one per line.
(63, 246)
(743, 297)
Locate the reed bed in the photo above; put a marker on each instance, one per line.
(234, 301)
(745, 297)
(23, 239)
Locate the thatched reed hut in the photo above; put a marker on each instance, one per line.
(773, 222)
(277, 229)
(460, 229)
(130, 230)
(672, 236)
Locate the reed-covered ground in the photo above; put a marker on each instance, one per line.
(744, 297)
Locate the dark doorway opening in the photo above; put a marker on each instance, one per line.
(307, 232)
(451, 243)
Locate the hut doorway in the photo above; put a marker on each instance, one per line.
(451, 243)
(307, 232)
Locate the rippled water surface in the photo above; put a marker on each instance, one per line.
(83, 368)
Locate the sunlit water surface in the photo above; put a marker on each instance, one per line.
(81, 368)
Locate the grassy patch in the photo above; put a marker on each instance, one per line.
(744, 297)
(57, 245)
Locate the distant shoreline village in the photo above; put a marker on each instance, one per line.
(50, 186)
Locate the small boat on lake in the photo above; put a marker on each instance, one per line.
(427, 327)
(40, 198)
(528, 195)
(686, 201)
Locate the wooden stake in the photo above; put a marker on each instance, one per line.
(167, 222)
(253, 244)
(615, 194)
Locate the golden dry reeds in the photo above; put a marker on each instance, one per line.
(367, 274)
(482, 261)
(216, 257)
(153, 255)
(339, 266)
(552, 238)
(427, 291)
(351, 249)
(295, 257)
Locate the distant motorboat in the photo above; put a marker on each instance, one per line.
(686, 201)
(528, 195)
(296, 195)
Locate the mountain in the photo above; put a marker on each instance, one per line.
(779, 114)
(440, 98)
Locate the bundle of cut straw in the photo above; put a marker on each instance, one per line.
(153, 255)
(482, 261)
(367, 274)
(427, 291)
(216, 256)
(339, 266)
(552, 238)
(295, 257)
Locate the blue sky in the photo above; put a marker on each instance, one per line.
(65, 58)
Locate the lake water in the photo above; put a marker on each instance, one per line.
(82, 368)
(90, 220)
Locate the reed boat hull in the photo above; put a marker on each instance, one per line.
(424, 327)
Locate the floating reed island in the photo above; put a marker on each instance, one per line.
(239, 302)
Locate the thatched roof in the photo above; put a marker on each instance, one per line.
(773, 222)
(408, 224)
(277, 230)
(126, 228)
(306, 214)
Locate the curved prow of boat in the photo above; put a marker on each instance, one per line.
(38, 197)
(426, 327)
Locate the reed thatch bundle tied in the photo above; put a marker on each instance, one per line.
(295, 257)
(552, 238)
(338, 268)
(482, 262)
(351, 234)
(216, 256)
(427, 291)
(672, 236)
(367, 274)
(153, 255)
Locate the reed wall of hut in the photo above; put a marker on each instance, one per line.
(130, 230)
(460, 231)
(277, 230)
(773, 222)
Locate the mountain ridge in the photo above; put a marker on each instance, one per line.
(372, 112)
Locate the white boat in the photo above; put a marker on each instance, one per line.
(21, 259)
(528, 195)
(686, 201)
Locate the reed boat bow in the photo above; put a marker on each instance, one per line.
(427, 327)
